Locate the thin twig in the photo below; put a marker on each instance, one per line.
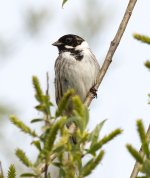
(113, 46)
(46, 124)
(47, 94)
(136, 168)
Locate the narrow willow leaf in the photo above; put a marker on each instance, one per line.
(37, 120)
(135, 153)
(147, 64)
(63, 3)
(142, 134)
(11, 172)
(41, 107)
(37, 144)
(92, 164)
(94, 135)
(28, 175)
(23, 158)
(104, 140)
(22, 126)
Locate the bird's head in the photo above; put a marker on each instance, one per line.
(70, 41)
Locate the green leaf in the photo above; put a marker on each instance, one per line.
(94, 135)
(63, 3)
(23, 158)
(135, 153)
(37, 144)
(11, 171)
(147, 64)
(28, 175)
(22, 126)
(37, 120)
(92, 164)
(51, 135)
(142, 134)
(104, 140)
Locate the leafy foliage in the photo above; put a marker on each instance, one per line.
(55, 144)
(144, 158)
(63, 3)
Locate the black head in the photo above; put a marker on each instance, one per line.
(69, 41)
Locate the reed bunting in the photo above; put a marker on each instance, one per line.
(76, 67)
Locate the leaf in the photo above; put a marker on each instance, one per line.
(36, 120)
(135, 153)
(104, 140)
(41, 107)
(37, 145)
(28, 175)
(92, 164)
(23, 158)
(51, 135)
(11, 171)
(63, 3)
(95, 133)
(22, 126)
(142, 134)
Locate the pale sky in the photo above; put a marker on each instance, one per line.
(122, 97)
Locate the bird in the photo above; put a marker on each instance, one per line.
(76, 67)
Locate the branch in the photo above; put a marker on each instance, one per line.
(135, 170)
(113, 46)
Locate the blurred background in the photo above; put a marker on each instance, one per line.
(27, 30)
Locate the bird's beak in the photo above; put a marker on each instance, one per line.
(57, 43)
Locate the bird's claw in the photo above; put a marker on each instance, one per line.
(94, 92)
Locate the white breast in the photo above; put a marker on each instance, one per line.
(81, 75)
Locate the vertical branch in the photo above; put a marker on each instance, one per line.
(46, 123)
(47, 94)
(135, 170)
(113, 46)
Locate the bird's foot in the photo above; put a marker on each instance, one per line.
(94, 92)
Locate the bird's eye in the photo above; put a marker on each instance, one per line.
(68, 40)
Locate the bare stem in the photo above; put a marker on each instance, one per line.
(135, 170)
(46, 124)
(113, 46)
